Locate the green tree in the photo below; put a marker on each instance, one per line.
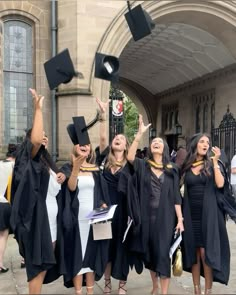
(130, 118)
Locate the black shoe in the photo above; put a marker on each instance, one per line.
(22, 265)
(3, 269)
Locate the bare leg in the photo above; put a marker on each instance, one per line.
(196, 274)
(207, 273)
(35, 285)
(154, 282)
(3, 244)
(107, 278)
(164, 285)
(90, 282)
(77, 281)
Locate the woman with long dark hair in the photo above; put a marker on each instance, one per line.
(159, 203)
(36, 205)
(205, 242)
(116, 170)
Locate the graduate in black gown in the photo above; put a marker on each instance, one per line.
(85, 257)
(156, 185)
(37, 206)
(116, 171)
(206, 202)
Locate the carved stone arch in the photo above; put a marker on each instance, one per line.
(206, 15)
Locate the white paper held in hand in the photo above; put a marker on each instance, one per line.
(175, 243)
(103, 217)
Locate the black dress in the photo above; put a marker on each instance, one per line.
(195, 186)
(5, 207)
(216, 204)
(156, 186)
(5, 213)
(117, 186)
(152, 207)
(118, 255)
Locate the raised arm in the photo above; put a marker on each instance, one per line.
(37, 133)
(103, 107)
(134, 146)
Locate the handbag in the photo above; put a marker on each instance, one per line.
(177, 267)
(102, 230)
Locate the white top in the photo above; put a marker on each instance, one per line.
(233, 165)
(85, 196)
(5, 172)
(52, 208)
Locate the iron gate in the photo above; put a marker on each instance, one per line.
(225, 136)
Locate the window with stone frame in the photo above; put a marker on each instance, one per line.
(17, 78)
(202, 103)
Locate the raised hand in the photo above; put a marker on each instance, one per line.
(38, 99)
(77, 161)
(142, 128)
(216, 152)
(103, 106)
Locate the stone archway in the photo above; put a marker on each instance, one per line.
(207, 16)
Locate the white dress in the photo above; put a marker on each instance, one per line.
(85, 197)
(51, 202)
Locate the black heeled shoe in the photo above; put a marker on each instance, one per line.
(3, 269)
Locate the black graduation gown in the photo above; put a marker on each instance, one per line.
(139, 193)
(29, 218)
(217, 203)
(96, 255)
(119, 255)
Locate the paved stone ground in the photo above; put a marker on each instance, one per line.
(14, 281)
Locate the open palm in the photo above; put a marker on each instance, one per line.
(142, 128)
(102, 105)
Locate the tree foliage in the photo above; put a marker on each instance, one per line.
(130, 119)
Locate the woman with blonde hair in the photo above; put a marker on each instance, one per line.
(85, 257)
(116, 171)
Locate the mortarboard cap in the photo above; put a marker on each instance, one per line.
(60, 69)
(78, 131)
(139, 22)
(106, 67)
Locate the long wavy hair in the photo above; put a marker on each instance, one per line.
(165, 155)
(191, 156)
(111, 159)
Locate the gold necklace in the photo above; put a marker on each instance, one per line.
(197, 163)
(118, 163)
(155, 165)
(89, 169)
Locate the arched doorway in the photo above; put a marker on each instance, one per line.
(191, 39)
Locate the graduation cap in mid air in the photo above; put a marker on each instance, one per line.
(78, 130)
(60, 69)
(106, 67)
(139, 21)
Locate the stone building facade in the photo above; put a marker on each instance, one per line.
(184, 72)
